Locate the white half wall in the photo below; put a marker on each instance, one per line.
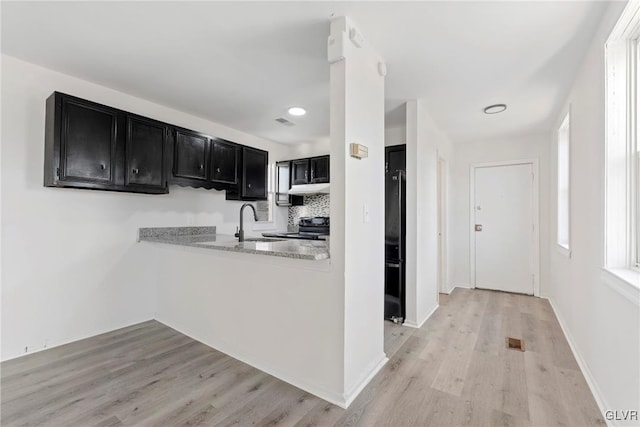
(71, 267)
(283, 316)
(464, 155)
(600, 314)
(425, 144)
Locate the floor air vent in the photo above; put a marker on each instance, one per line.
(515, 344)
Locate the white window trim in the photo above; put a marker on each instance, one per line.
(621, 253)
(566, 123)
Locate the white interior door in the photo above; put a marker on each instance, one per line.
(504, 228)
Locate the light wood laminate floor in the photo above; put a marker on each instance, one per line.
(453, 371)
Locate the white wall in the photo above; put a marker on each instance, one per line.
(71, 267)
(602, 324)
(396, 135)
(425, 143)
(464, 155)
(310, 149)
(357, 246)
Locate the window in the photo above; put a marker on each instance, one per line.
(622, 212)
(564, 169)
(265, 208)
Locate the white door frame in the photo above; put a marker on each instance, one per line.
(442, 225)
(536, 219)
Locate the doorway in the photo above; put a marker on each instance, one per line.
(504, 226)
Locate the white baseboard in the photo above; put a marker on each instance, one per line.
(464, 286)
(93, 334)
(351, 396)
(411, 324)
(586, 372)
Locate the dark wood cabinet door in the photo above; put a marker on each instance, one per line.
(319, 170)
(395, 158)
(190, 155)
(224, 162)
(300, 172)
(254, 174)
(88, 143)
(145, 158)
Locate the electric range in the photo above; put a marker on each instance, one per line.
(309, 228)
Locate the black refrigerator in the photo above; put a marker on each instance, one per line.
(395, 231)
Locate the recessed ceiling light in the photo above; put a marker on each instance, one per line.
(495, 109)
(297, 111)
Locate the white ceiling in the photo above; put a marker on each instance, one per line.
(242, 64)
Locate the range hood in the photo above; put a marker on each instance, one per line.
(300, 190)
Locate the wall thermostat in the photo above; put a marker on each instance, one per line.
(359, 151)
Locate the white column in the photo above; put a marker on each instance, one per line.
(357, 199)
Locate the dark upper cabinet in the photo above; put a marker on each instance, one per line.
(310, 171)
(319, 170)
(87, 142)
(300, 171)
(254, 174)
(88, 145)
(145, 154)
(190, 158)
(224, 162)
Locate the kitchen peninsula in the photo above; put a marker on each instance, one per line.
(231, 297)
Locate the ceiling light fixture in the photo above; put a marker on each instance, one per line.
(495, 109)
(297, 111)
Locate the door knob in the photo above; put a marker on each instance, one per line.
(478, 227)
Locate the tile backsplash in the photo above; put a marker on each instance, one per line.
(315, 205)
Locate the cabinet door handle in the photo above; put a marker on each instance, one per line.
(305, 175)
(248, 185)
(136, 171)
(218, 170)
(201, 167)
(311, 175)
(102, 166)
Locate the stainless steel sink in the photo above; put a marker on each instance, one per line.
(263, 239)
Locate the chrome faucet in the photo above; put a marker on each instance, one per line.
(240, 233)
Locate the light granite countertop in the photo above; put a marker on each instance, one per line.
(206, 237)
